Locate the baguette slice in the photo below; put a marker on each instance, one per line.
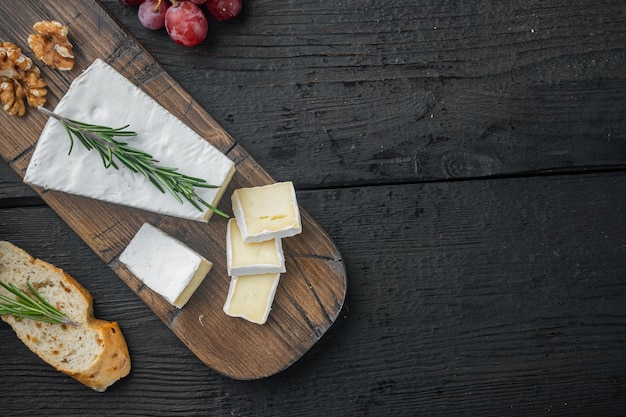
(94, 352)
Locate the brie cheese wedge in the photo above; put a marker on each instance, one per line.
(165, 265)
(267, 212)
(251, 296)
(252, 258)
(102, 96)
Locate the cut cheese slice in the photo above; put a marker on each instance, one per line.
(252, 258)
(250, 297)
(165, 265)
(101, 95)
(267, 212)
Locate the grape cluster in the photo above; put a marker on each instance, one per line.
(185, 22)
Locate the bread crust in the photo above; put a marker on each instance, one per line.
(113, 362)
(94, 353)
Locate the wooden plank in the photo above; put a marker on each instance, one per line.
(487, 298)
(383, 97)
(12, 187)
(313, 288)
(405, 91)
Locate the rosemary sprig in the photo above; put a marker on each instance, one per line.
(101, 138)
(34, 308)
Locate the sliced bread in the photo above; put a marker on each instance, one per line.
(94, 352)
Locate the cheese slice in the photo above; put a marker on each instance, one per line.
(267, 212)
(165, 265)
(252, 258)
(101, 95)
(251, 296)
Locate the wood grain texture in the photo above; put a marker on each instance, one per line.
(481, 283)
(12, 188)
(500, 297)
(311, 292)
(379, 93)
(401, 91)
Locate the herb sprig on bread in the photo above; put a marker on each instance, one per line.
(94, 352)
(30, 307)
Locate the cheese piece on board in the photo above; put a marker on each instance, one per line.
(251, 296)
(165, 265)
(267, 212)
(101, 95)
(252, 258)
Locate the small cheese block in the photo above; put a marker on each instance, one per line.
(251, 296)
(267, 212)
(252, 258)
(165, 265)
(101, 95)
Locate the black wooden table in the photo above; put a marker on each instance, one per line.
(469, 160)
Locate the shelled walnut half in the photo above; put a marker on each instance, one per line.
(19, 81)
(50, 44)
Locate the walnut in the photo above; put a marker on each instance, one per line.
(12, 61)
(35, 88)
(19, 81)
(12, 97)
(50, 44)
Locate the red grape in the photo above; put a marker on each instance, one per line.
(186, 24)
(197, 1)
(224, 9)
(131, 2)
(152, 13)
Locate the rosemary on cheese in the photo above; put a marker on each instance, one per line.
(30, 307)
(102, 139)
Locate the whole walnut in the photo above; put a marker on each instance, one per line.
(50, 44)
(19, 81)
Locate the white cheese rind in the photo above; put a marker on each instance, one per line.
(267, 212)
(101, 95)
(165, 265)
(251, 297)
(252, 258)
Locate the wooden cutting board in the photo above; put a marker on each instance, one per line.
(311, 292)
